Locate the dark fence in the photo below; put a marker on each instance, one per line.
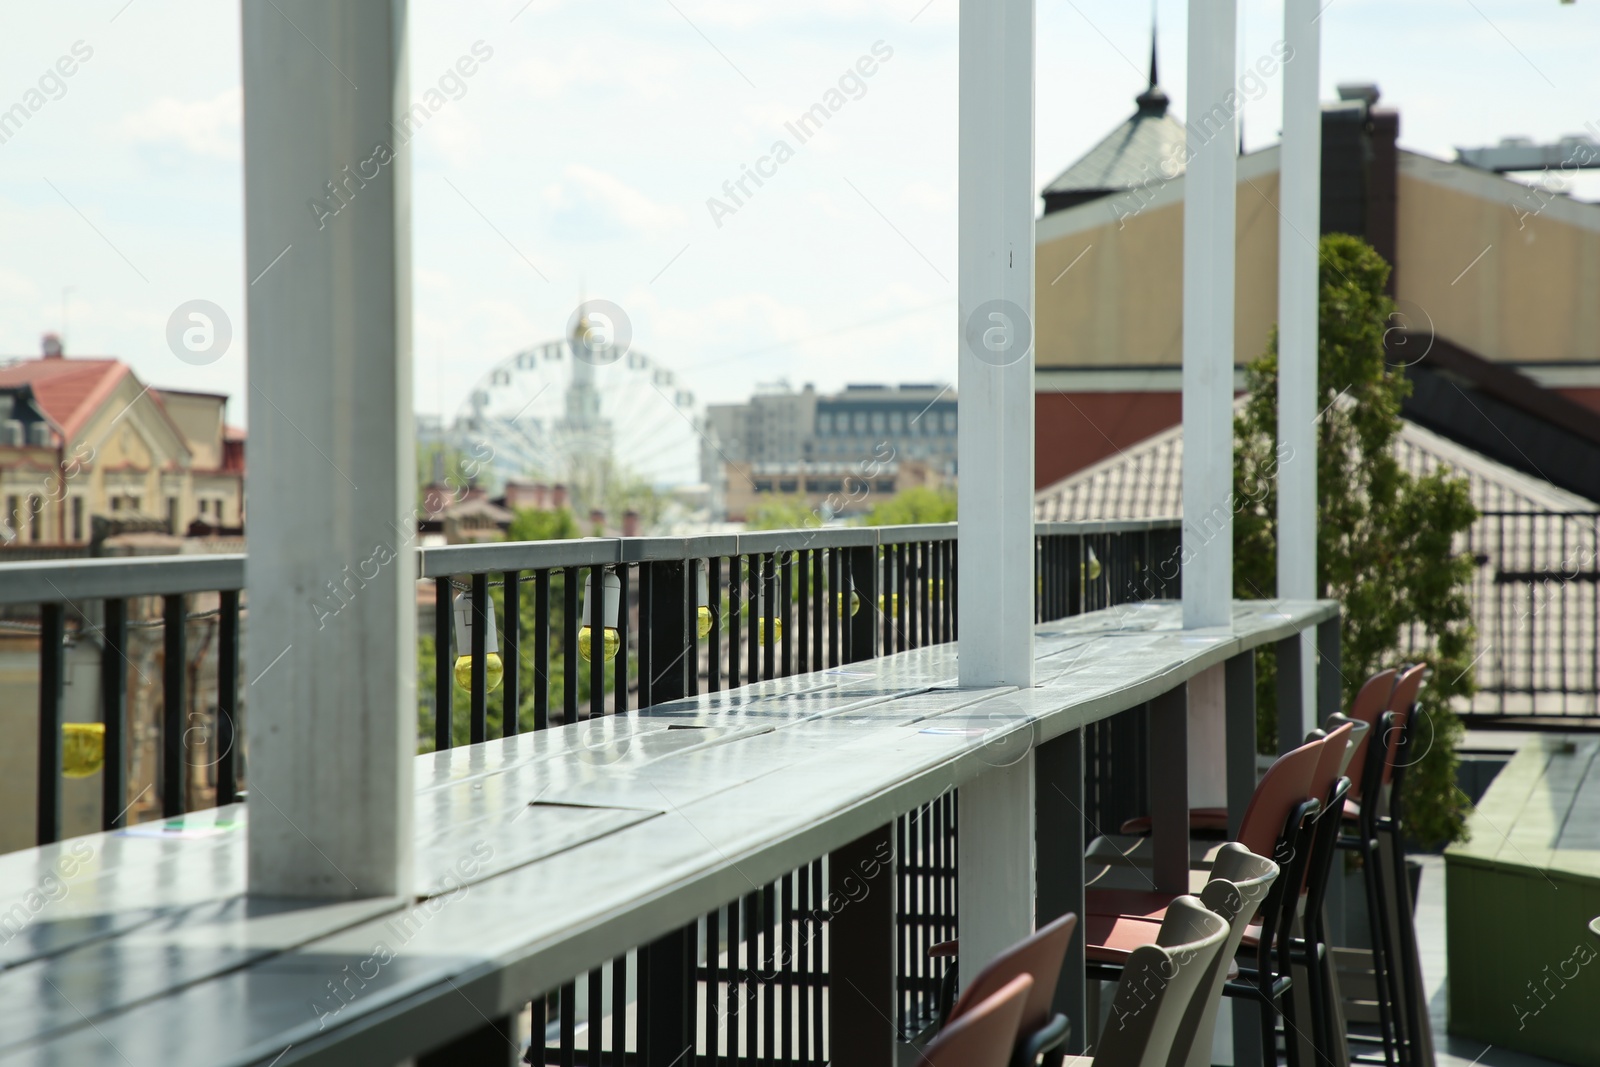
(673, 618)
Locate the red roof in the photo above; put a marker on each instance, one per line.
(68, 390)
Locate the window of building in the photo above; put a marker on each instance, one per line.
(172, 515)
(950, 422)
(877, 422)
(116, 503)
(896, 422)
(861, 422)
(789, 485)
(35, 519)
(13, 520)
(824, 423)
(77, 518)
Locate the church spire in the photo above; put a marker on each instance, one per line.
(1153, 101)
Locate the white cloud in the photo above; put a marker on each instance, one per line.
(601, 203)
(208, 128)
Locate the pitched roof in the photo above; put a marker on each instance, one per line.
(1148, 147)
(68, 390)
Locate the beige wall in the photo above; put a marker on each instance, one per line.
(1533, 297)
(1122, 303)
(199, 416)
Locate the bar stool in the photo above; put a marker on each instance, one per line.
(1161, 984)
(1040, 955)
(1240, 884)
(1372, 773)
(985, 1035)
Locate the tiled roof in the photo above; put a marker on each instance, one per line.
(67, 390)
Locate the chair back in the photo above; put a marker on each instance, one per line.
(1358, 739)
(1158, 985)
(1370, 702)
(985, 1035)
(1240, 883)
(1332, 758)
(1040, 955)
(1285, 785)
(1401, 702)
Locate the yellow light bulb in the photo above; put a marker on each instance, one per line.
(1093, 566)
(494, 670)
(703, 620)
(855, 603)
(777, 630)
(610, 642)
(83, 748)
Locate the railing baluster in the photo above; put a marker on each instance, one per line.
(52, 663)
(443, 676)
(511, 655)
(619, 1010)
(478, 713)
(569, 1024)
(597, 1015)
(785, 599)
(597, 642)
(228, 733)
(735, 587)
(752, 580)
(571, 662)
(173, 798)
(838, 604)
(713, 982)
(619, 675)
(803, 615)
(770, 619)
(113, 711)
(541, 650)
(714, 637)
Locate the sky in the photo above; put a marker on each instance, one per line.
(578, 161)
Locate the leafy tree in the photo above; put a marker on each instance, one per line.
(786, 512)
(1385, 538)
(913, 506)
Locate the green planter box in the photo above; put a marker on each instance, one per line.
(1524, 966)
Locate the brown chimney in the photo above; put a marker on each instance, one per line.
(597, 519)
(630, 523)
(558, 496)
(51, 345)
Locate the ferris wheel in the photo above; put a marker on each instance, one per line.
(556, 413)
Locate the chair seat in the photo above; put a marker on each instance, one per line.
(1204, 820)
(1143, 903)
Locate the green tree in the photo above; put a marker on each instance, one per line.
(913, 506)
(789, 512)
(1386, 538)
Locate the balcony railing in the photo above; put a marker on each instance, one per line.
(775, 604)
(693, 616)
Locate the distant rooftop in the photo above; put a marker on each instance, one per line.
(1148, 147)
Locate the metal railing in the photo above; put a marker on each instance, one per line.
(692, 616)
(1536, 604)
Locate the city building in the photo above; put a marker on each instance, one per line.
(84, 440)
(1494, 281)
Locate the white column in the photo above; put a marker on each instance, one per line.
(331, 577)
(1299, 226)
(994, 853)
(1208, 237)
(995, 394)
(996, 446)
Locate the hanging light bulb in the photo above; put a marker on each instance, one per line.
(703, 619)
(761, 630)
(493, 669)
(1094, 564)
(855, 601)
(83, 748)
(611, 638)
